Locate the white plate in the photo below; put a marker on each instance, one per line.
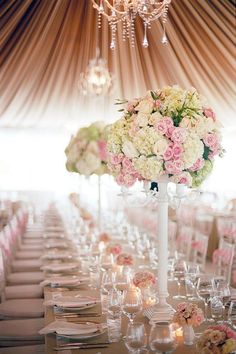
(83, 336)
(73, 309)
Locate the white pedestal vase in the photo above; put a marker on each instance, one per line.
(99, 203)
(188, 334)
(163, 311)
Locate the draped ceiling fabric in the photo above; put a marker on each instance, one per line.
(47, 44)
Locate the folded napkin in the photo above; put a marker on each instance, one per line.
(56, 255)
(55, 244)
(60, 281)
(69, 328)
(69, 301)
(59, 267)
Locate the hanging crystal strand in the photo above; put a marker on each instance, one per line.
(132, 33)
(113, 31)
(164, 39)
(145, 41)
(124, 30)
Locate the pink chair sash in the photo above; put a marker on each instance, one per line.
(222, 254)
(198, 246)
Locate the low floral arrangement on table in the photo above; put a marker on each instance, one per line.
(217, 340)
(104, 237)
(124, 259)
(144, 279)
(188, 314)
(86, 152)
(171, 132)
(114, 248)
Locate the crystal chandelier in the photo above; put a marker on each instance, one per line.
(125, 11)
(96, 80)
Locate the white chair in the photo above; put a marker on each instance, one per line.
(17, 291)
(18, 308)
(199, 249)
(223, 259)
(21, 332)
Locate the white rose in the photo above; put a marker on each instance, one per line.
(160, 147)
(93, 147)
(145, 106)
(142, 119)
(129, 149)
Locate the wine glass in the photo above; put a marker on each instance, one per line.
(223, 291)
(205, 290)
(191, 277)
(232, 314)
(106, 261)
(179, 270)
(136, 337)
(131, 302)
(121, 280)
(107, 281)
(162, 338)
(114, 302)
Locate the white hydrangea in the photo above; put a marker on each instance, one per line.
(193, 149)
(149, 167)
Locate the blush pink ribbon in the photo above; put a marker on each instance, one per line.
(198, 246)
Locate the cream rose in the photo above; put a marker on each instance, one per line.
(145, 106)
(129, 149)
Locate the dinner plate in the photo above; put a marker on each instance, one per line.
(83, 336)
(74, 308)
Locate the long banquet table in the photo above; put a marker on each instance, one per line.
(119, 347)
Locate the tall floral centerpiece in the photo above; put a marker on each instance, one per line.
(87, 154)
(169, 135)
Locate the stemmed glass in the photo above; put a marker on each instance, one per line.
(191, 277)
(179, 269)
(232, 314)
(114, 302)
(223, 291)
(136, 337)
(107, 281)
(205, 290)
(106, 261)
(131, 302)
(162, 338)
(121, 281)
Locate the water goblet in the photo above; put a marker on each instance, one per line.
(131, 302)
(232, 314)
(205, 290)
(106, 261)
(191, 276)
(223, 291)
(136, 337)
(179, 270)
(121, 280)
(162, 339)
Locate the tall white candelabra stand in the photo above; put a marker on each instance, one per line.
(163, 311)
(99, 203)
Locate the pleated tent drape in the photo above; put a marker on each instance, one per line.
(45, 45)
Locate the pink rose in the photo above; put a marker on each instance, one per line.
(174, 167)
(208, 112)
(102, 146)
(168, 153)
(131, 105)
(179, 135)
(161, 127)
(120, 179)
(210, 140)
(177, 150)
(169, 131)
(168, 121)
(115, 159)
(197, 165)
(129, 180)
(134, 129)
(157, 104)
